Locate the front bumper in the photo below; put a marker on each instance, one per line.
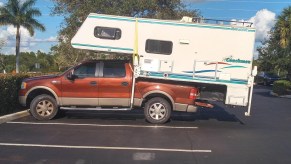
(22, 100)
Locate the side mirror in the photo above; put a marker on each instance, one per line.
(71, 76)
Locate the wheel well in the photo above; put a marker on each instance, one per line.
(37, 92)
(150, 96)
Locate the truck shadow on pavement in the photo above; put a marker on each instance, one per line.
(217, 113)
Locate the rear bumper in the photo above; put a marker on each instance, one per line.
(191, 108)
(185, 108)
(22, 100)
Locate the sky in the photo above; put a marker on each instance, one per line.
(41, 40)
(262, 13)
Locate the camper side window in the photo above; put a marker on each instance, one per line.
(159, 47)
(107, 33)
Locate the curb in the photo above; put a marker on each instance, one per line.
(13, 116)
(283, 96)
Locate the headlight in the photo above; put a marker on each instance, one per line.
(23, 85)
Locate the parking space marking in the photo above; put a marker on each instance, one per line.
(105, 148)
(101, 125)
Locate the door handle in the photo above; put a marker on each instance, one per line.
(124, 83)
(93, 83)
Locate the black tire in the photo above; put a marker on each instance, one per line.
(44, 107)
(157, 110)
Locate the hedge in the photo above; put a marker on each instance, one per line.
(9, 88)
(282, 87)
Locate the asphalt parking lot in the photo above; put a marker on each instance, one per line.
(220, 135)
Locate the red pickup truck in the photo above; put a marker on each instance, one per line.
(105, 85)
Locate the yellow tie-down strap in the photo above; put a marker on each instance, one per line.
(135, 56)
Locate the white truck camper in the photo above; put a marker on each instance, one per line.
(215, 57)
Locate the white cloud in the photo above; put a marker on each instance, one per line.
(264, 21)
(21, 1)
(9, 34)
(27, 43)
(50, 39)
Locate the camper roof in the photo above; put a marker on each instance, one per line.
(186, 21)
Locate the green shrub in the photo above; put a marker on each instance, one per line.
(9, 88)
(282, 87)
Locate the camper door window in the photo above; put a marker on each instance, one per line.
(159, 47)
(107, 33)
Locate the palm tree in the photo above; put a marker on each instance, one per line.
(283, 31)
(284, 27)
(2, 43)
(19, 15)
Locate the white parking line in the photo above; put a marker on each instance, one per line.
(106, 148)
(101, 125)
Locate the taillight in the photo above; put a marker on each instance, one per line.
(193, 94)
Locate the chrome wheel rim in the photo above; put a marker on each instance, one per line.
(157, 111)
(45, 108)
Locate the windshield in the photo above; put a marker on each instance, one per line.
(66, 70)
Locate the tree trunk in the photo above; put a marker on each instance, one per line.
(17, 48)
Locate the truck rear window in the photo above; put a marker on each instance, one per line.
(114, 69)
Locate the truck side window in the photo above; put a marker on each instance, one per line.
(86, 70)
(107, 33)
(113, 69)
(159, 47)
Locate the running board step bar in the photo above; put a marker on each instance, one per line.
(96, 109)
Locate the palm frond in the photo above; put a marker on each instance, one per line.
(27, 5)
(13, 6)
(6, 17)
(33, 12)
(35, 24)
(29, 28)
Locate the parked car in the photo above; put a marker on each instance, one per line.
(266, 78)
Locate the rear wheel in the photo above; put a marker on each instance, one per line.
(157, 110)
(43, 107)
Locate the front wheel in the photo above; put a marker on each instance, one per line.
(43, 107)
(157, 110)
